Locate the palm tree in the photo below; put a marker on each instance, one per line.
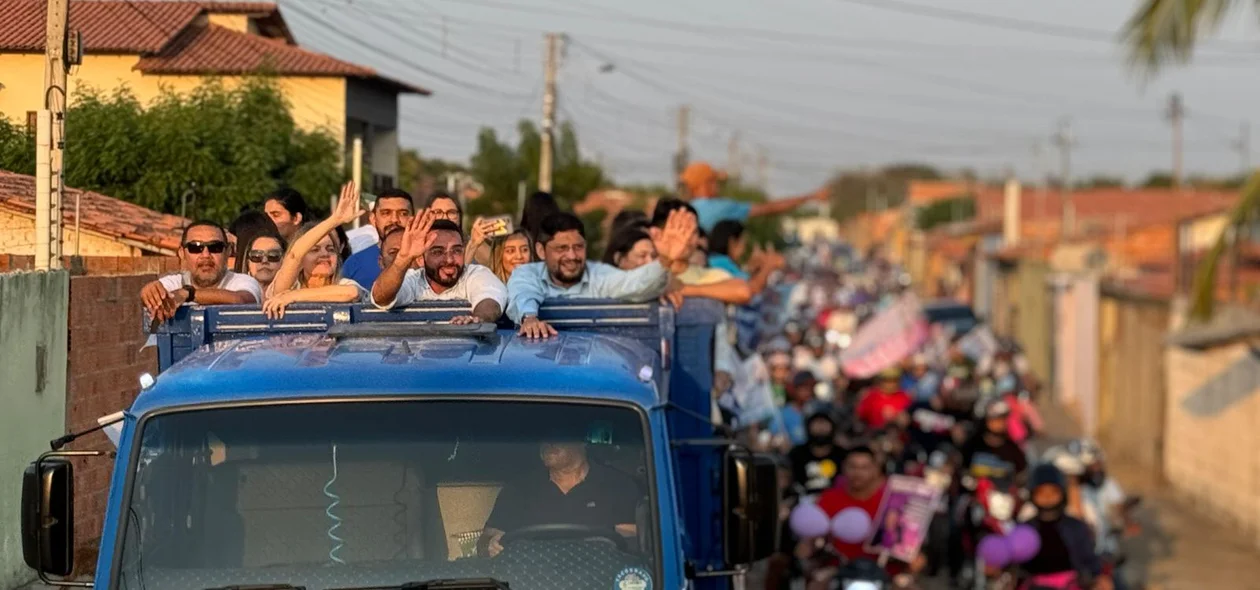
(1164, 31)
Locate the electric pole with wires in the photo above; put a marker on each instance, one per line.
(50, 138)
(682, 155)
(1064, 140)
(1242, 145)
(1176, 116)
(550, 69)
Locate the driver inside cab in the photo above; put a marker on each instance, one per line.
(571, 491)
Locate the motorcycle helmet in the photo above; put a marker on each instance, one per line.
(1048, 474)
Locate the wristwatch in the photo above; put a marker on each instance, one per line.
(192, 294)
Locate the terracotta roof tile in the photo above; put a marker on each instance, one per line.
(172, 39)
(107, 27)
(219, 50)
(157, 232)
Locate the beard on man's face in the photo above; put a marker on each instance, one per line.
(446, 275)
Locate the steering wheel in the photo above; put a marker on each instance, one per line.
(565, 531)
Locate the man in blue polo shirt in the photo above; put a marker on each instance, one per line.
(393, 209)
(702, 183)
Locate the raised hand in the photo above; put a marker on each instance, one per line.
(416, 237)
(349, 206)
(680, 230)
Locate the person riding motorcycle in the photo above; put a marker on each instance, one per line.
(1066, 559)
(990, 453)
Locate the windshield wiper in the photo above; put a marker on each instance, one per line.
(442, 584)
(278, 586)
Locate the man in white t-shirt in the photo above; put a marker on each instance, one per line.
(204, 279)
(444, 277)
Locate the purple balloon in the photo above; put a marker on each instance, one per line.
(808, 520)
(1025, 543)
(851, 525)
(995, 550)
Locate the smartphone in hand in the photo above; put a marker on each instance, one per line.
(502, 225)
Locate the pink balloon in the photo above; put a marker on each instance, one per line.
(995, 550)
(808, 520)
(851, 525)
(1025, 543)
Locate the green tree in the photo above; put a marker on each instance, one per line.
(230, 146)
(950, 210)
(17, 148)
(1166, 31)
(500, 168)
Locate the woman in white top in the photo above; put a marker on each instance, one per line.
(311, 270)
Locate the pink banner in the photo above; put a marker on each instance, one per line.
(889, 338)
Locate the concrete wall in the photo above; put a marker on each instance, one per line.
(33, 309)
(17, 236)
(1076, 347)
(1131, 388)
(1212, 411)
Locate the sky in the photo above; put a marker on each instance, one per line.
(813, 85)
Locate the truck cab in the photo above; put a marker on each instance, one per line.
(345, 447)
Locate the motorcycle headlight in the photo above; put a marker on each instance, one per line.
(1001, 506)
(861, 585)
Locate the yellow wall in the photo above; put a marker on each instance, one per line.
(315, 102)
(236, 22)
(17, 236)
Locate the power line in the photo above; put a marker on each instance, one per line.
(1008, 23)
(355, 40)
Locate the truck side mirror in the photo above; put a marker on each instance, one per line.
(48, 516)
(751, 505)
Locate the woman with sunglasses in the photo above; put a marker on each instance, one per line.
(261, 253)
(311, 271)
(509, 252)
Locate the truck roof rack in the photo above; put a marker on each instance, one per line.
(410, 330)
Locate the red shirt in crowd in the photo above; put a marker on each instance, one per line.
(878, 407)
(838, 498)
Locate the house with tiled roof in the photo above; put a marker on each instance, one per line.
(152, 45)
(104, 226)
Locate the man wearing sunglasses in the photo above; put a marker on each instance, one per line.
(205, 278)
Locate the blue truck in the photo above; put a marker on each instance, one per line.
(345, 447)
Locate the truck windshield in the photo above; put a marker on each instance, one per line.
(378, 493)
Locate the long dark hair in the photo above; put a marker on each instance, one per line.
(723, 234)
(245, 243)
(538, 206)
(246, 227)
(622, 243)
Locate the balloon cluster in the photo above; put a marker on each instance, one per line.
(850, 525)
(1017, 546)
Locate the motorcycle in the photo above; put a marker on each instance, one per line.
(993, 507)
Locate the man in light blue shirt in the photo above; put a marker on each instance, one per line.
(565, 273)
(703, 183)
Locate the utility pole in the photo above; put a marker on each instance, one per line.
(1243, 146)
(552, 65)
(733, 156)
(682, 156)
(1176, 115)
(50, 139)
(1065, 142)
(763, 169)
(356, 168)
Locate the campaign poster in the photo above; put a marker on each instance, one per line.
(903, 519)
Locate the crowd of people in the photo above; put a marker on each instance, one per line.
(780, 384)
(958, 412)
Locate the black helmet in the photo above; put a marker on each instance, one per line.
(1047, 474)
